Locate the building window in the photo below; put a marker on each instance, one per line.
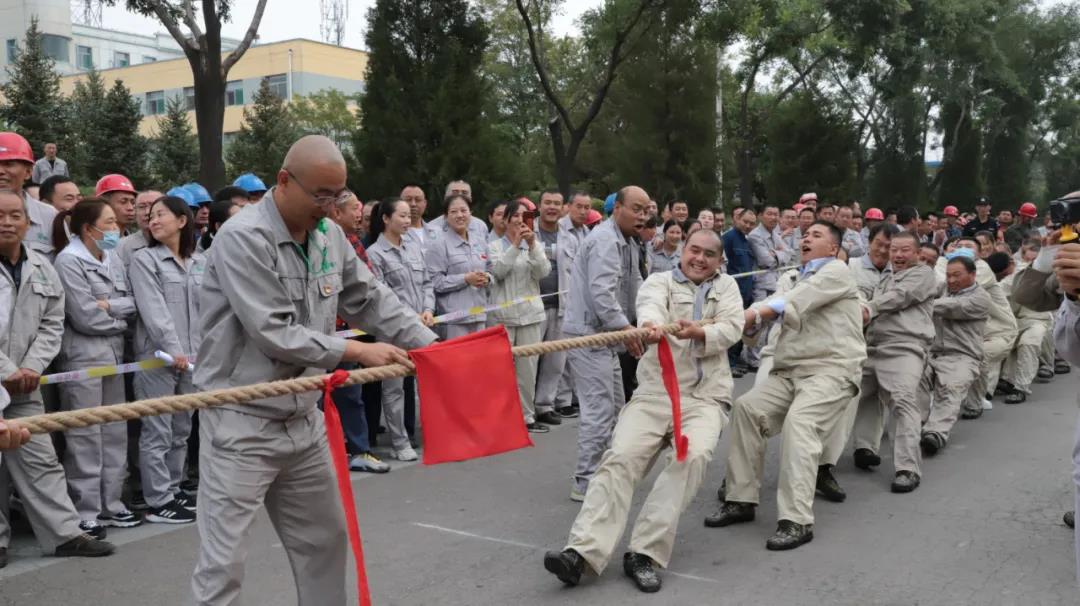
(12, 50)
(84, 57)
(121, 59)
(234, 93)
(56, 47)
(278, 85)
(148, 59)
(155, 103)
(189, 98)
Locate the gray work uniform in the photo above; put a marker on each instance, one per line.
(437, 228)
(167, 294)
(39, 236)
(770, 254)
(268, 308)
(403, 269)
(604, 283)
(448, 260)
(43, 169)
(32, 340)
(955, 356)
(853, 243)
(129, 245)
(96, 456)
(553, 389)
(900, 332)
(516, 272)
(660, 260)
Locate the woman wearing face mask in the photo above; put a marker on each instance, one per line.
(458, 271)
(220, 212)
(398, 261)
(516, 263)
(165, 279)
(98, 305)
(665, 257)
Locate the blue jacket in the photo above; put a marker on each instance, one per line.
(740, 259)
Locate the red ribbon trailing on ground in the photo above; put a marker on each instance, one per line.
(335, 436)
(671, 384)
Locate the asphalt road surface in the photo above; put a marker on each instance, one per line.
(984, 528)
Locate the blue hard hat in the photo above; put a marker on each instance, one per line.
(609, 204)
(250, 183)
(198, 193)
(184, 195)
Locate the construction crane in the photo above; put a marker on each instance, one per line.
(335, 14)
(86, 12)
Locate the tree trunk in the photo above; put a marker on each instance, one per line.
(210, 120)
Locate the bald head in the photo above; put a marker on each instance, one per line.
(311, 178)
(631, 208)
(310, 151)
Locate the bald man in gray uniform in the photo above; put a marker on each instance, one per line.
(276, 277)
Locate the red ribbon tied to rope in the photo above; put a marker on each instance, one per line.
(671, 384)
(335, 437)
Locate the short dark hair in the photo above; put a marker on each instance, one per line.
(229, 192)
(178, 208)
(551, 191)
(495, 206)
(906, 215)
(888, 229)
(48, 186)
(998, 262)
(1033, 243)
(834, 231)
(931, 214)
(650, 222)
(906, 235)
(929, 246)
(967, 262)
(670, 204)
(986, 234)
(669, 224)
(807, 209)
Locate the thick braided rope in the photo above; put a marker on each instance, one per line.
(99, 415)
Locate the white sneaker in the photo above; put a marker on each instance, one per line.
(405, 454)
(988, 405)
(369, 463)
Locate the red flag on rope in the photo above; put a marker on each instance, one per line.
(335, 437)
(469, 403)
(671, 384)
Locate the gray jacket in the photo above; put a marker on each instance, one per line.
(901, 310)
(770, 253)
(36, 326)
(570, 240)
(167, 295)
(959, 322)
(516, 272)
(403, 269)
(42, 170)
(39, 236)
(448, 260)
(93, 336)
(853, 243)
(129, 245)
(437, 228)
(604, 283)
(661, 261)
(266, 315)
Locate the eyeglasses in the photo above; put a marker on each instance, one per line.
(337, 199)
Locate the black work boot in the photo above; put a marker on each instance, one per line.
(931, 443)
(1070, 519)
(731, 512)
(641, 570)
(566, 564)
(827, 486)
(84, 546)
(789, 535)
(1016, 397)
(722, 491)
(905, 481)
(866, 458)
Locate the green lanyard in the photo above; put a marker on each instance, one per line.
(326, 264)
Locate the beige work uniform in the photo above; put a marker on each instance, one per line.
(900, 332)
(267, 310)
(959, 322)
(819, 353)
(1035, 330)
(644, 427)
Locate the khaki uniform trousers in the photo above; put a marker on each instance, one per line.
(642, 433)
(35, 473)
(948, 378)
(525, 368)
(805, 410)
(246, 462)
(1023, 362)
(890, 381)
(995, 350)
(1048, 351)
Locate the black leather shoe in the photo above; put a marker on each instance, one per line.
(537, 428)
(905, 481)
(1004, 388)
(931, 443)
(566, 564)
(738, 373)
(1069, 518)
(85, 546)
(1016, 397)
(790, 535)
(641, 570)
(549, 418)
(970, 413)
(731, 512)
(1045, 374)
(827, 486)
(1061, 367)
(865, 459)
(567, 412)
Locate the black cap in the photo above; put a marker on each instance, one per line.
(982, 201)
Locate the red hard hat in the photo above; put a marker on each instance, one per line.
(1027, 209)
(874, 214)
(14, 147)
(951, 211)
(593, 217)
(798, 207)
(808, 196)
(111, 183)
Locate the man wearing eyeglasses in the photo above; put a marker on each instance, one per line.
(276, 278)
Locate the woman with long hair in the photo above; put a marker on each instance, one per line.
(516, 263)
(665, 255)
(458, 267)
(98, 305)
(165, 279)
(397, 260)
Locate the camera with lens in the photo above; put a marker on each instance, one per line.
(1065, 211)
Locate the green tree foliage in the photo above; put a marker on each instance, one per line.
(426, 114)
(264, 138)
(89, 131)
(122, 149)
(327, 112)
(174, 149)
(31, 103)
